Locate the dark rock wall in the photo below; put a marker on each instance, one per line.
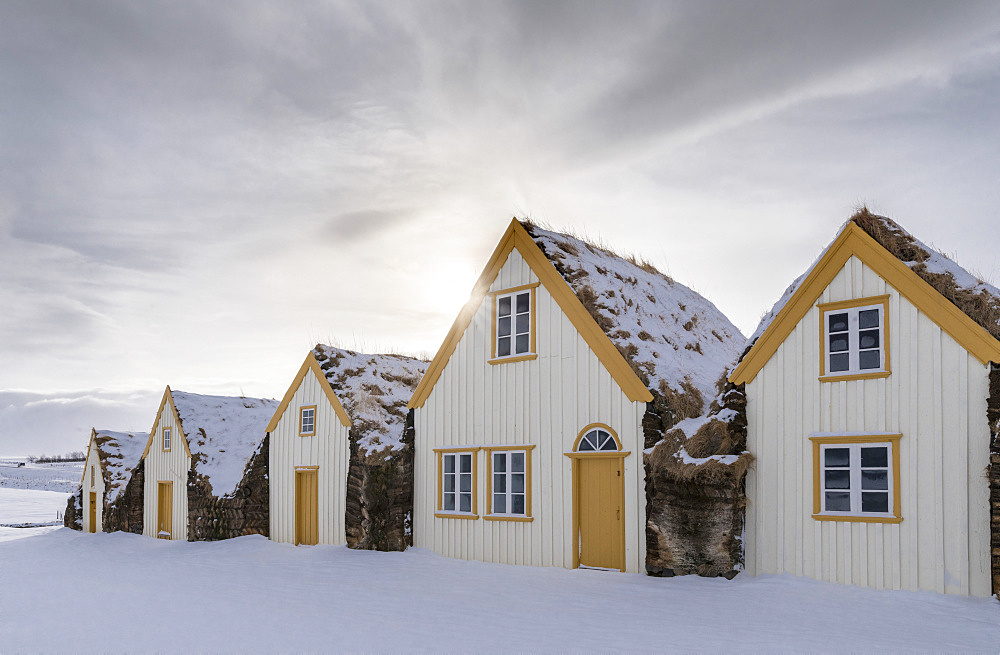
(694, 518)
(245, 511)
(73, 518)
(380, 495)
(125, 514)
(993, 416)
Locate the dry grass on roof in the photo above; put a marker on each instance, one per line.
(981, 306)
(597, 245)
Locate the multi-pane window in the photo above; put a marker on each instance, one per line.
(457, 482)
(854, 338)
(597, 440)
(513, 329)
(307, 420)
(509, 483)
(856, 479)
(166, 438)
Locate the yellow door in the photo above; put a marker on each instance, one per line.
(93, 511)
(164, 509)
(601, 494)
(306, 507)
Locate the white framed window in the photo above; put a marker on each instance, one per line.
(857, 478)
(458, 484)
(92, 483)
(514, 324)
(513, 329)
(166, 438)
(855, 338)
(307, 421)
(510, 483)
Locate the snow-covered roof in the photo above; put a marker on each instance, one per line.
(667, 331)
(119, 453)
(943, 273)
(374, 390)
(222, 433)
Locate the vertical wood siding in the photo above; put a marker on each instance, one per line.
(935, 397)
(95, 485)
(545, 402)
(329, 449)
(172, 466)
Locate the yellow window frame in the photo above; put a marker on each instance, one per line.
(456, 450)
(494, 296)
(302, 409)
(892, 440)
(490, 516)
(825, 308)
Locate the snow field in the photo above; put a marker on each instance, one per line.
(251, 594)
(62, 476)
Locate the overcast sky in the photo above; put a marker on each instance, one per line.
(195, 193)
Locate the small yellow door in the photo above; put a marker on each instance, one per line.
(164, 509)
(306, 507)
(93, 512)
(600, 513)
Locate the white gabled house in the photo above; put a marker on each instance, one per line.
(342, 417)
(531, 421)
(867, 394)
(197, 453)
(111, 459)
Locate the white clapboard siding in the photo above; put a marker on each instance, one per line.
(329, 449)
(935, 397)
(170, 466)
(545, 402)
(93, 484)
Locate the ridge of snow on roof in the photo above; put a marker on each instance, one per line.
(374, 390)
(222, 433)
(665, 329)
(120, 453)
(929, 261)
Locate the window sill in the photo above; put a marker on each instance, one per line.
(502, 517)
(858, 519)
(855, 376)
(510, 360)
(444, 515)
(307, 434)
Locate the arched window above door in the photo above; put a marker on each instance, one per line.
(596, 440)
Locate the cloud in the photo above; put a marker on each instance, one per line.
(35, 423)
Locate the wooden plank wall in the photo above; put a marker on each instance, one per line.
(935, 397)
(93, 484)
(329, 449)
(169, 466)
(545, 402)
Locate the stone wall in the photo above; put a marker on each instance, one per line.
(695, 513)
(125, 513)
(245, 511)
(380, 494)
(993, 416)
(73, 518)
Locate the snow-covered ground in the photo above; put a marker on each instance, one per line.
(68, 591)
(61, 476)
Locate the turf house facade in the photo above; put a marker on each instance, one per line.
(205, 468)
(106, 498)
(340, 463)
(537, 422)
(872, 409)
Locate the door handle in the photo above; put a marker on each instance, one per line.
(618, 514)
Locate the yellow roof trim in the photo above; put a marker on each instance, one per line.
(90, 445)
(855, 241)
(517, 237)
(167, 398)
(310, 364)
